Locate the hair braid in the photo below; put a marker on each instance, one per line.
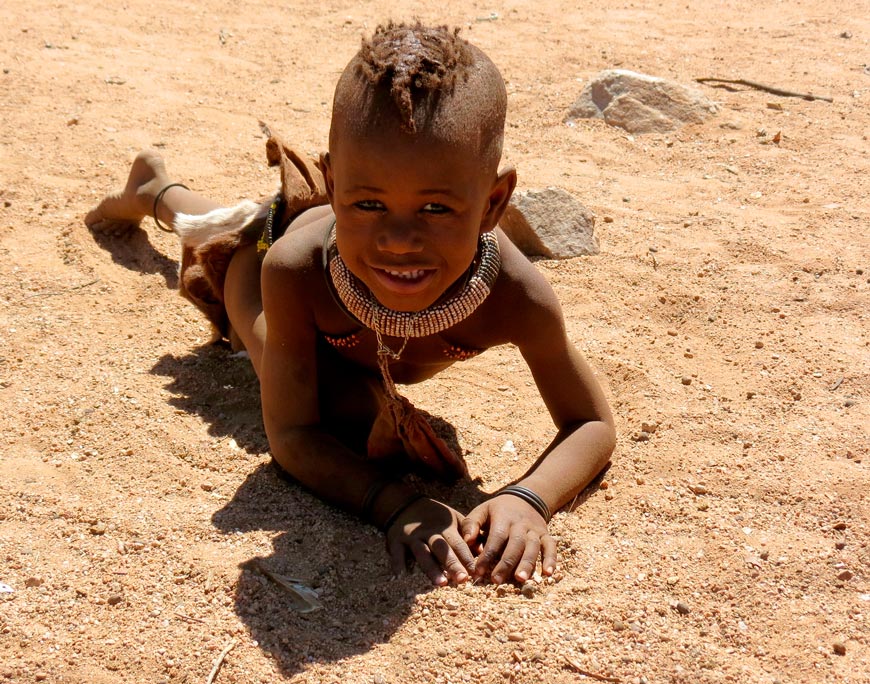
(414, 60)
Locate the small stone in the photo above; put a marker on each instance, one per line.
(380, 679)
(750, 394)
(765, 554)
(683, 608)
(845, 575)
(846, 34)
(442, 652)
(686, 380)
(641, 436)
(501, 590)
(759, 344)
(672, 580)
(529, 589)
(98, 528)
(649, 427)
(604, 484)
(672, 333)
(839, 526)
(640, 480)
(619, 626)
(839, 648)
(516, 636)
(608, 219)
(207, 487)
(114, 600)
(840, 545)
(608, 496)
(34, 582)
(635, 627)
(703, 506)
(698, 489)
(41, 676)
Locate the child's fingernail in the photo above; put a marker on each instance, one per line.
(522, 575)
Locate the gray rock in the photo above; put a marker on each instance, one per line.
(550, 223)
(640, 103)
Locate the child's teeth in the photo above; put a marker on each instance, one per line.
(409, 275)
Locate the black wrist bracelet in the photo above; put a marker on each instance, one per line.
(530, 498)
(401, 508)
(157, 199)
(372, 494)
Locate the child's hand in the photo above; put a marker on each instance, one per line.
(430, 531)
(516, 535)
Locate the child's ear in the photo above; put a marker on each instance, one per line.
(499, 197)
(325, 166)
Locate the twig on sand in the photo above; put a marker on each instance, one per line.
(760, 86)
(586, 673)
(220, 661)
(55, 293)
(188, 618)
(836, 385)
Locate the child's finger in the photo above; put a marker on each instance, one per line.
(456, 570)
(397, 557)
(510, 558)
(460, 548)
(470, 526)
(427, 563)
(530, 558)
(548, 547)
(491, 553)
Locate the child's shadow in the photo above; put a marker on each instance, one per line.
(133, 250)
(343, 559)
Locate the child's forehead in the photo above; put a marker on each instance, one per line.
(374, 144)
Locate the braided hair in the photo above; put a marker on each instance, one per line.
(414, 60)
(424, 81)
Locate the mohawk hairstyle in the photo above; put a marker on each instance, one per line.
(414, 60)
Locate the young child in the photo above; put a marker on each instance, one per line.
(401, 274)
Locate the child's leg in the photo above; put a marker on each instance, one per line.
(122, 210)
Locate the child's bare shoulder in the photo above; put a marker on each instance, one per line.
(300, 248)
(521, 284)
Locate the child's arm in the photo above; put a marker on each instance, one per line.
(289, 391)
(516, 534)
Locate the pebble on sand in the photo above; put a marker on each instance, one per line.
(839, 648)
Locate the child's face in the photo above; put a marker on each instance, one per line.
(409, 210)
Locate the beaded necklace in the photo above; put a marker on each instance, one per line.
(358, 300)
(361, 304)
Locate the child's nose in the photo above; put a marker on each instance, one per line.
(399, 237)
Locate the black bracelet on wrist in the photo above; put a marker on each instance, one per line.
(401, 508)
(529, 497)
(371, 495)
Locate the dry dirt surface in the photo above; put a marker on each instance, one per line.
(727, 315)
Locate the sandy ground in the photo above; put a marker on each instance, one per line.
(728, 309)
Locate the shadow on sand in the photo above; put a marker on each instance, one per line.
(343, 559)
(134, 251)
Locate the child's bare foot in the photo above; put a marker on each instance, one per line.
(121, 211)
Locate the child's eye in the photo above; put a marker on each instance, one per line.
(369, 205)
(435, 208)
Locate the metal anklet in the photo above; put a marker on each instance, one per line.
(530, 497)
(157, 199)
